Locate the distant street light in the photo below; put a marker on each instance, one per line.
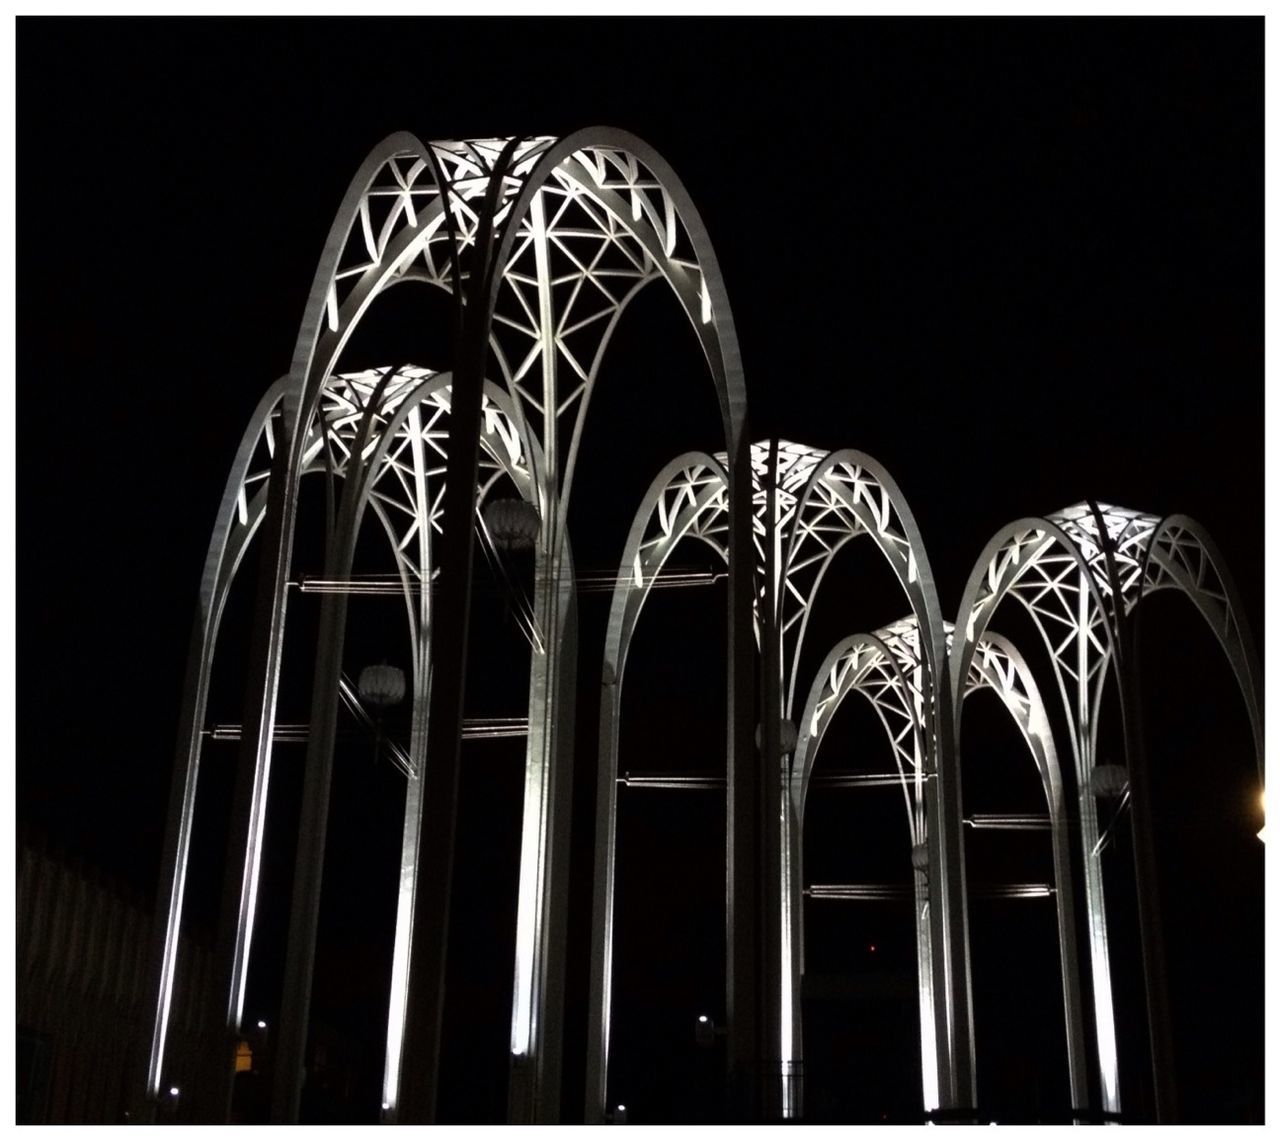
(704, 1033)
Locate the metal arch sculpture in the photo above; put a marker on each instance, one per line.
(408, 405)
(404, 442)
(542, 244)
(806, 505)
(998, 665)
(887, 669)
(1080, 573)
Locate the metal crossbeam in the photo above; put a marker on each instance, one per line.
(893, 891)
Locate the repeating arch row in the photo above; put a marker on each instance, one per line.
(542, 243)
(1079, 572)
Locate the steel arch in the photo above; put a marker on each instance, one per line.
(1080, 573)
(475, 216)
(806, 505)
(887, 668)
(351, 405)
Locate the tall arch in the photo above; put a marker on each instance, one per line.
(887, 669)
(806, 505)
(1080, 573)
(496, 222)
(406, 406)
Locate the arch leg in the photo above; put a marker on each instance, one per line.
(599, 1003)
(212, 1103)
(167, 924)
(542, 909)
(308, 869)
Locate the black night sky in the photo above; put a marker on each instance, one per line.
(1018, 262)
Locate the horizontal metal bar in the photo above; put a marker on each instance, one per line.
(710, 780)
(851, 779)
(1011, 822)
(284, 734)
(671, 781)
(472, 729)
(892, 891)
(859, 891)
(392, 584)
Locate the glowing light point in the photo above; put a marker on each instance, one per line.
(173, 1091)
(261, 1025)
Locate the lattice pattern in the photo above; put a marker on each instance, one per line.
(1058, 569)
(1036, 567)
(887, 668)
(884, 668)
(597, 229)
(1178, 557)
(693, 502)
(415, 450)
(846, 499)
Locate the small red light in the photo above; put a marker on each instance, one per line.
(872, 947)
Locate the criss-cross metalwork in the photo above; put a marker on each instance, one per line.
(381, 434)
(806, 504)
(1081, 573)
(542, 243)
(887, 669)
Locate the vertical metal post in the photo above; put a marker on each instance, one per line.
(1095, 900)
(1146, 874)
(952, 992)
(397, 1000)
(439, 793)
(1145, 865)
(212, 1101)
(308, 869)
(538, 990)
(769, 1047)
(743, 794)
(166, 927)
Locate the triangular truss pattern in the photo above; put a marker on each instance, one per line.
(599, 225)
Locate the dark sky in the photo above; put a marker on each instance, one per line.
(1019, 263)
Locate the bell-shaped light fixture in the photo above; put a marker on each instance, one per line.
(381, 686)
(787, 736)
(1109, 781)
(513, 524)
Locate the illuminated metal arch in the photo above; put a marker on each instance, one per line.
(854, 492)
(806, 505)
(470, 212)
(847, 494)
(638, 208)
(350, 407)
(688, 497)
(238, 519)
(887, 669)
(408, 442)
(998, 665)
(1078, 572)
(1179, 553)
